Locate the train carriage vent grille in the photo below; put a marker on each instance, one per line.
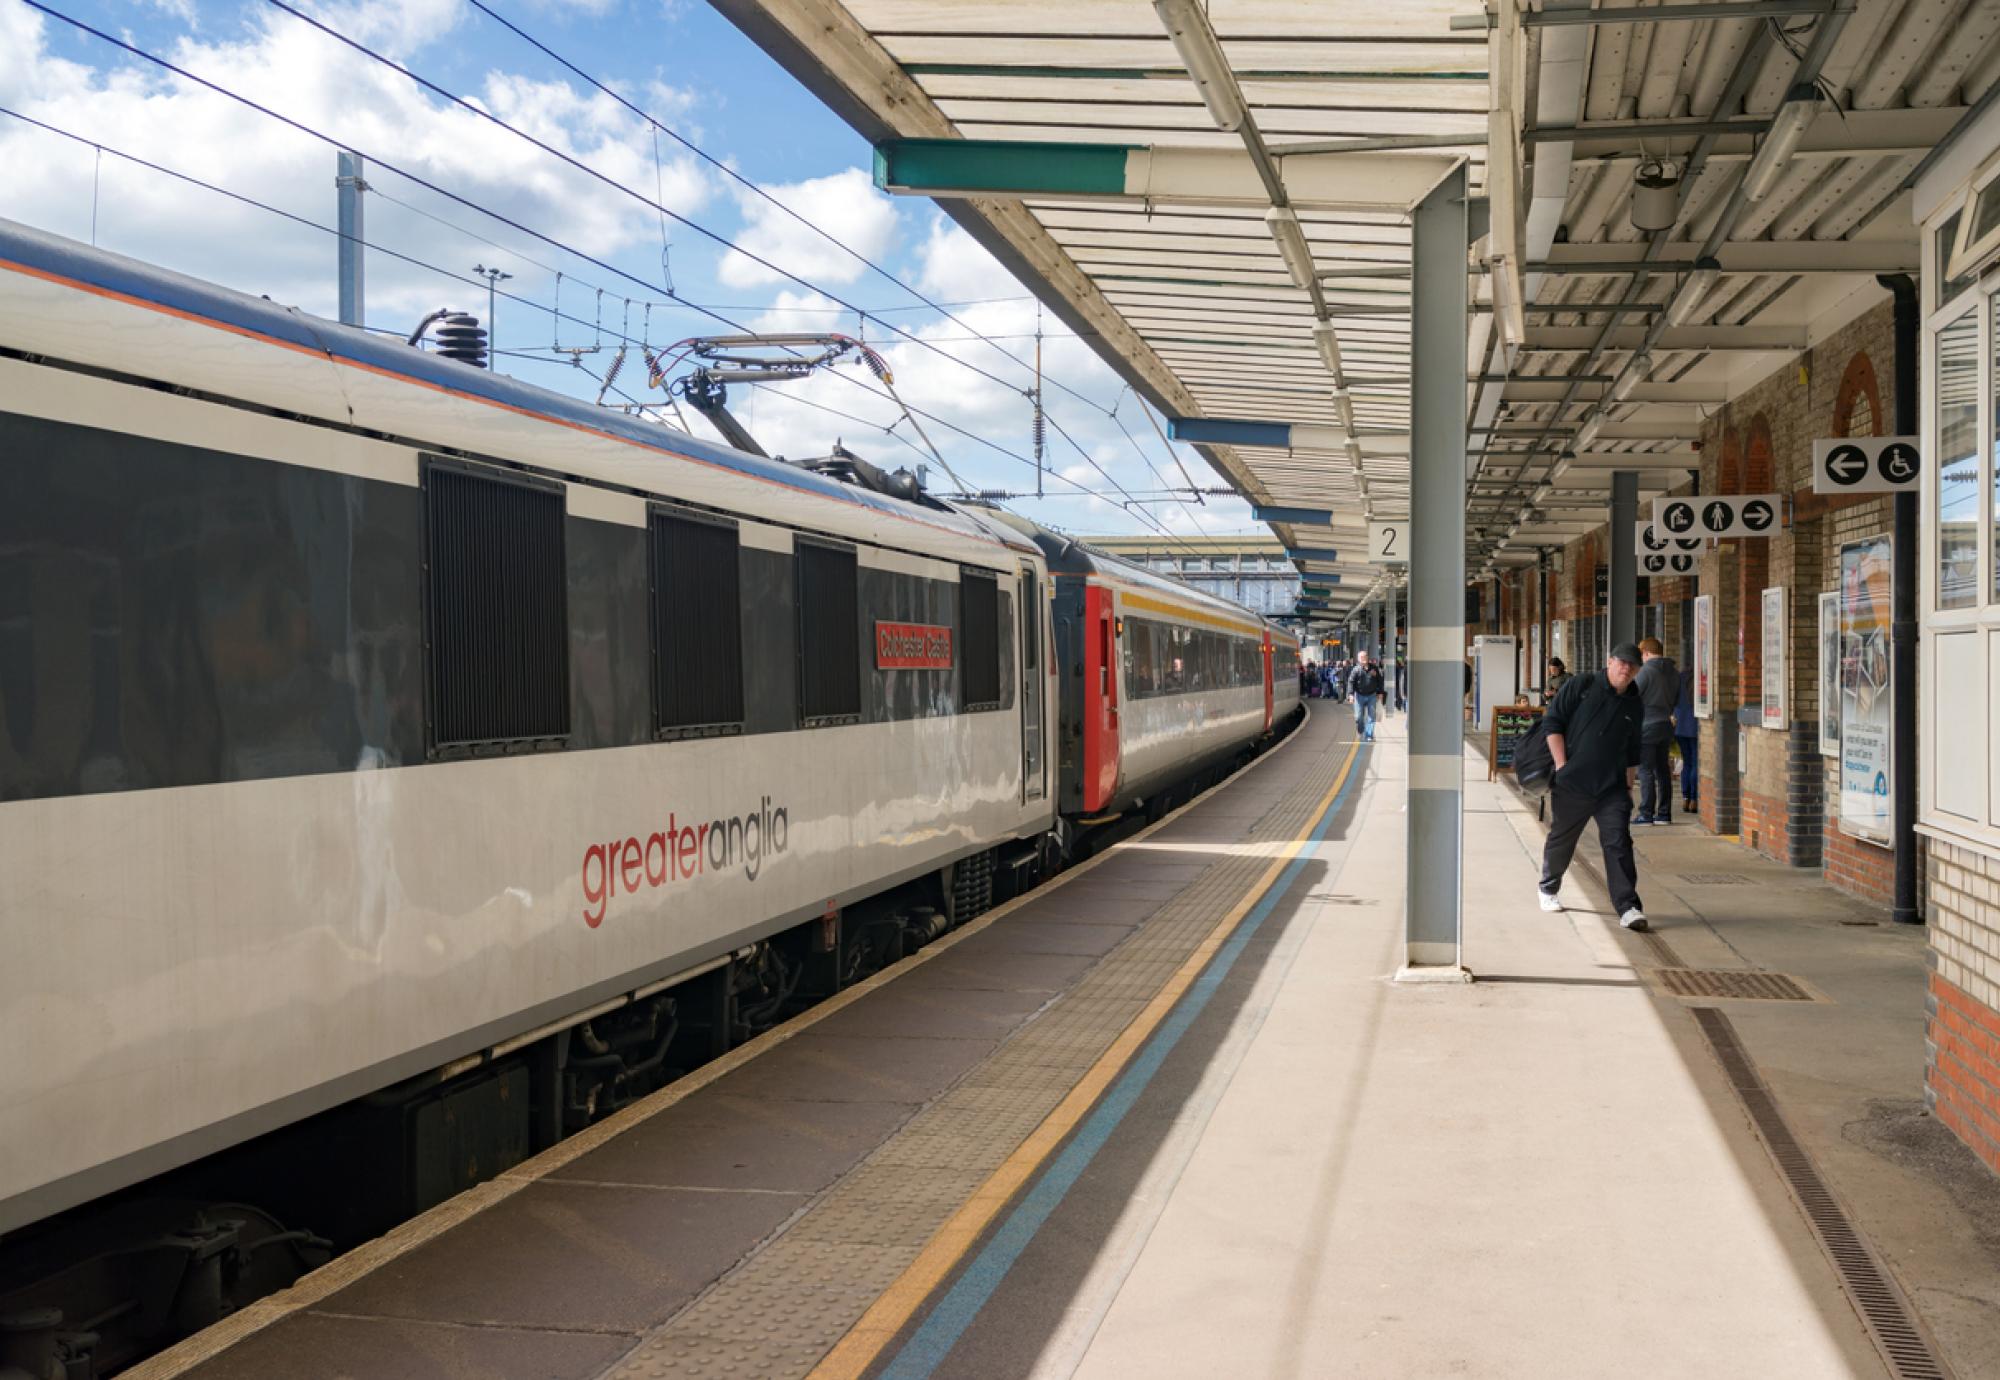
(697, 624)
(829, 605)
(979, 639)
(496, 610)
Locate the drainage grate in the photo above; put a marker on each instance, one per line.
(1731, 982)
(1715, 878)
(1884, 1312)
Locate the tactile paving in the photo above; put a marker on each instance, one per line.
(780, 1310)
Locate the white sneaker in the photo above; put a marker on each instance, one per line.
(1633, 920)
(1551, 902)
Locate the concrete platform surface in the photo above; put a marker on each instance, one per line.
(1535, 1175)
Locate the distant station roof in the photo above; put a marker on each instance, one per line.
(1217, 196)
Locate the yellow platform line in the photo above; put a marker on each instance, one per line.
(887, 1316)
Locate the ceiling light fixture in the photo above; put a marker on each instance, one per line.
(1694, 290)
(1201, 53)
(1283, 223)
(1329, 348)
(1635, 371)
(1787, 127)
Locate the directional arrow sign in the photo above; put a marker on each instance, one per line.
(1866, 464)
(1717, 515)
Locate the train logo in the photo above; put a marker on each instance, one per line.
(679, 853)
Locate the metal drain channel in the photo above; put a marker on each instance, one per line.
(1891, 1324)
(1731, 983)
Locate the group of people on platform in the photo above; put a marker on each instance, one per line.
(1359, 679)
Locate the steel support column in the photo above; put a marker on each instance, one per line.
(353, 294)
(1433, 892)
(1622, 622)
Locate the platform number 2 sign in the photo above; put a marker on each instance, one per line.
(1389, 542)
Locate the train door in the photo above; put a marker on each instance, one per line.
(1100, 693)
(1034, 752)
(1269, 683)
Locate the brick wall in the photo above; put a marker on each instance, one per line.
(1786, 805)
(1962, 1010)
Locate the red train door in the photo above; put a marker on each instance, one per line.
(1269, 684)
(1100, 693)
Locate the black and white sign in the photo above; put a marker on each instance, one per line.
(1649, 539)
(1389, 543)
(1718, 515)
(1668, 563)
(1866, 465)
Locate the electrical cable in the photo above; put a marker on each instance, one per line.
(308, 130)
(661, 127)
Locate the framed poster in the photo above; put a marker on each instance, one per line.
(1704, 656)
(1866, 694)
(1829, 674)
(1774, 657)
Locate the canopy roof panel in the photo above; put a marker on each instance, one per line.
(1194, 290)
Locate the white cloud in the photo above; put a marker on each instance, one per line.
(953, 267)
(845, 206)
(282, 63)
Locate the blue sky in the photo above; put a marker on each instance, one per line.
(683, 64)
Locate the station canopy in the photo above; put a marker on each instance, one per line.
(1217, 196)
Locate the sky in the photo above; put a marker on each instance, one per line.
(591, 242)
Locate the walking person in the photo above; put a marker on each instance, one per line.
(1687, 734)
(1659, 683)
(1364, 682)
(1595, 726)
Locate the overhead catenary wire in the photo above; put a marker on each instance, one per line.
(544, 357)
(537, 235)
(660, 127)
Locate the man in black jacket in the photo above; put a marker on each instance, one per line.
(1659, 685)
(1364, 682)
(1594, 733)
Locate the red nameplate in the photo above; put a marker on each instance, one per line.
(912, 647)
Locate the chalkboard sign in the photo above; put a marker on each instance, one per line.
(1509, 727)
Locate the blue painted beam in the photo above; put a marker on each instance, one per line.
(1312, 553)
(1305, 517)
(1231, 431)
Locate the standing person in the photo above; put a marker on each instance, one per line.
(1659, 685)
(1688, 736)
(1340, 674)
(1594, 729)
(1557, 677)
(1365, 682)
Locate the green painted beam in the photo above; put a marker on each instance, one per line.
(998, 167)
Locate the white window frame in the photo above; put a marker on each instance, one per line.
(1982, 617)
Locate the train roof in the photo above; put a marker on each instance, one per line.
(34, 261)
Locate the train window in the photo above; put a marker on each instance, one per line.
(496, 610)
(697, 623)
(979, 638)
(1174, 652)
(1139, 675)
(829, 610)
(1031, 620)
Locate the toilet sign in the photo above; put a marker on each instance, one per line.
(1648, 539)
(1718, 515)
(1866, 464)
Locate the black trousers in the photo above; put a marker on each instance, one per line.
(1656, 782)
(1569, 812)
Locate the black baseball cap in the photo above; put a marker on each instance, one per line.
(1628, 653)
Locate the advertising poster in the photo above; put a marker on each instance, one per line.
(1829, 675)
(1774, 658)
(1865, 691)
(1704, 656)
